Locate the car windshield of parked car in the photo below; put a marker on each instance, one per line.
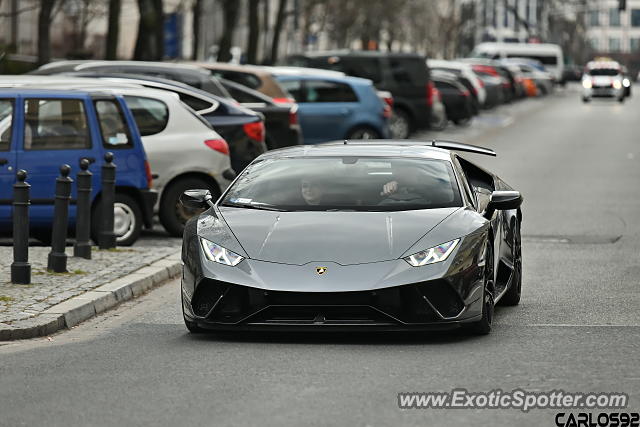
(345, 183)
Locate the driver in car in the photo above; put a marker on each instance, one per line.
(408, 185)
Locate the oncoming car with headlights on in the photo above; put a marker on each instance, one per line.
(373, 235)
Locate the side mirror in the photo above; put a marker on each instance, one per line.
(503, 201)
(196, 199)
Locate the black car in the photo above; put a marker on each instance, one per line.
(356, 235)
(280, 120)
(455, 96)
(405, 75)
(242, 128)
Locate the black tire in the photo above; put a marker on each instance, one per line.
(127, 217)
(512, 296)
(483, 326)
(621, 99)
(462, 121)
(585, 99)
(363, 132)
(172, 214)
(400, 124)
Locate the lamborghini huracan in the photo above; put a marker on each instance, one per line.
(355, 235)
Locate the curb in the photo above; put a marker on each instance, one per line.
(85, 306)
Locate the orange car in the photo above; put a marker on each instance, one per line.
(253, 77)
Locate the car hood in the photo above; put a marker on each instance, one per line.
(342, 237)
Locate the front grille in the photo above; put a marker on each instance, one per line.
(408, 304)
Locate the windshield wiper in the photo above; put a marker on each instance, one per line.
(255, 205)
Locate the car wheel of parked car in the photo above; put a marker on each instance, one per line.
(483, 326)
(400, 124)
(621, 99)
(585, 99)
(363, 133)
(173, 215)
(462, 121)
(127, 220)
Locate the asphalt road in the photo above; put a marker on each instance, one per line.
(577, 327)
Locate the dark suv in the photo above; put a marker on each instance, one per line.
(405, 75)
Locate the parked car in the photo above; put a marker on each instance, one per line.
(242, 128)
(465, 70)
(42, 129)
(253, 77)
(280, 119)
(187, 74)
(405, 75)
(535, 70)
(171, 130)
(455, 97)
(336, 107)
(494, 88)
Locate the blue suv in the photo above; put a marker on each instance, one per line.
(333, 107)
(40, 130)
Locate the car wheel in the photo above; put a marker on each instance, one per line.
(512, 296)
(621, 99)
(173, 215)
(400, 124)
(585, 99)
(483, 326)
(363, 133)
(127, 220)
(462, 121)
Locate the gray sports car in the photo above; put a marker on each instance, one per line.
(374, 235)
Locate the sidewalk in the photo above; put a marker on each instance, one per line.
(57, 300)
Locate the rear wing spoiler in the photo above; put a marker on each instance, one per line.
(459, 146)
(447, 145)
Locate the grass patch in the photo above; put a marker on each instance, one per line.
(67, 273)
(4, 298)
(114, 250)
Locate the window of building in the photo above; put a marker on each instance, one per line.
(614, 17)
(635, 18)
(634, 44)
(55, 124)
(614, 44)
(594, 18)
(595, 45)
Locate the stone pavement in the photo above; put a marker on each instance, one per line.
(20, 303)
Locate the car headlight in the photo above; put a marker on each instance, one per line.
(217, 253)
(617, 84)
(626, 82)
(432, 255)
(586, 84)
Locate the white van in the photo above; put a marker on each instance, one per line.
(550, 55)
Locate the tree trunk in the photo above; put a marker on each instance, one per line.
(230, 11)
(113, 29)
(196, 12)
(44, 26)
(150, 41)
(277, 29)
(254, 32)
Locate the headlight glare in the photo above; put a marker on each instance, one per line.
(432, 255)
(217, 253)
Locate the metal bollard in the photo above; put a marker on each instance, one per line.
(82, 246)
(57, 261)
(106, 237)
(20, 268)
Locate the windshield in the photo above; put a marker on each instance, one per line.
(604, 72)
(345, 183)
